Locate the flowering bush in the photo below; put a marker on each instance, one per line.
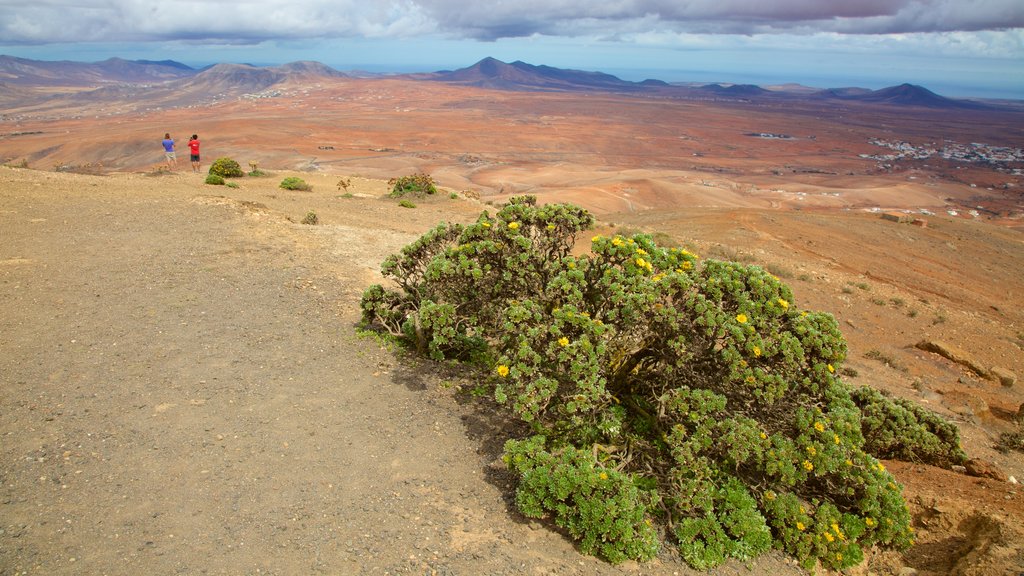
(226, 168)
(418, 184)
(662, 390)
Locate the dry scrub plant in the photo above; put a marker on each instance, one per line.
(670, 398)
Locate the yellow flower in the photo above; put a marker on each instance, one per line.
(784, 304)
(800, 526)
(808, 466)
(687, 265)
(596, 238)
(819, 426)
(617, 241)
(769, 495)
(551, 226)
(502, 370)
(881, 467)
(563, 341)
(603, 476)
(835, 437)
(752, 380)
(513, 225)
(869, 522)
(486, 224)
(764, 436)
(849, 462)
(830, 537)
(641, 251)
(839, 557)
(757, 351)
(572, 266)
(811, 450)
(658, 277)
(741, 318)
(831, 368)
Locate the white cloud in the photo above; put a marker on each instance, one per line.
(253, 21)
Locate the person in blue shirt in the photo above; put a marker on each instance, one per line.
(168, 143)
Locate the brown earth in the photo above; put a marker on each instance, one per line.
(183, 391)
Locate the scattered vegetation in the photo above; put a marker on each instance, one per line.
(294, 183)
(214, 180)
(344, 183)
(406, 204)
(226, 168)
(1010, 441)
(22, 164)
(87, 168)
(665, 395)
(778, 271)
(416, 185)
(875, 354)
(311, 218)
(231, 184)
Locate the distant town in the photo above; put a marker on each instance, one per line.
(999, 157)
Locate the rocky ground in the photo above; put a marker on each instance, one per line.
(183, 390)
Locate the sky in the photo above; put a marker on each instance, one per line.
(958, 48)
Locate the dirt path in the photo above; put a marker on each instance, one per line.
(183, 393)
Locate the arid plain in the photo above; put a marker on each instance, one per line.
(799, 187)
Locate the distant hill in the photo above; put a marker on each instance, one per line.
(493, 73)
(902, 95)
(25, 72)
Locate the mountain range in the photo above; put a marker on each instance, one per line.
(117, 76)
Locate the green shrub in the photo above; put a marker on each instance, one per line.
(231, 184)
(710, 402)
(294, 183)
(214, 180)
(226, 168)
(600, 507)
(901, 430)
(311, 218)
(417, 185)
(406, 204)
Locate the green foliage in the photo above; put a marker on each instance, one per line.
(901, 430)
(697, 388)
(406, 204)
(417, 185)
(294, 183)
(214, 180)
(231, 184)
(226, 168)
(600, 507)
(257, 173)
(311, 218)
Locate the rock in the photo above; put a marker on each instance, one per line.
(1020, 414)
(907, 571)
(954, 354)
(1005, 377)
(985, 469)
(960, 469)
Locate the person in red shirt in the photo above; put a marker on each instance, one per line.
(193, 151)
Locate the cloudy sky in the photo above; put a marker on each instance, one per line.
(955, 47)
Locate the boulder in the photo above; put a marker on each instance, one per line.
(953, 354)
(985, 469)
(1005, 377)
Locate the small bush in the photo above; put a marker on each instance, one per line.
(226, 168)
(406, 204)
(215, 180)
(900, 430)
(416, 185)
(231, 184)
(311, 218)
(257, 173)
(294, 183)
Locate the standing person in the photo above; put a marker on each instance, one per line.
(193, 151)
(168, 143)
